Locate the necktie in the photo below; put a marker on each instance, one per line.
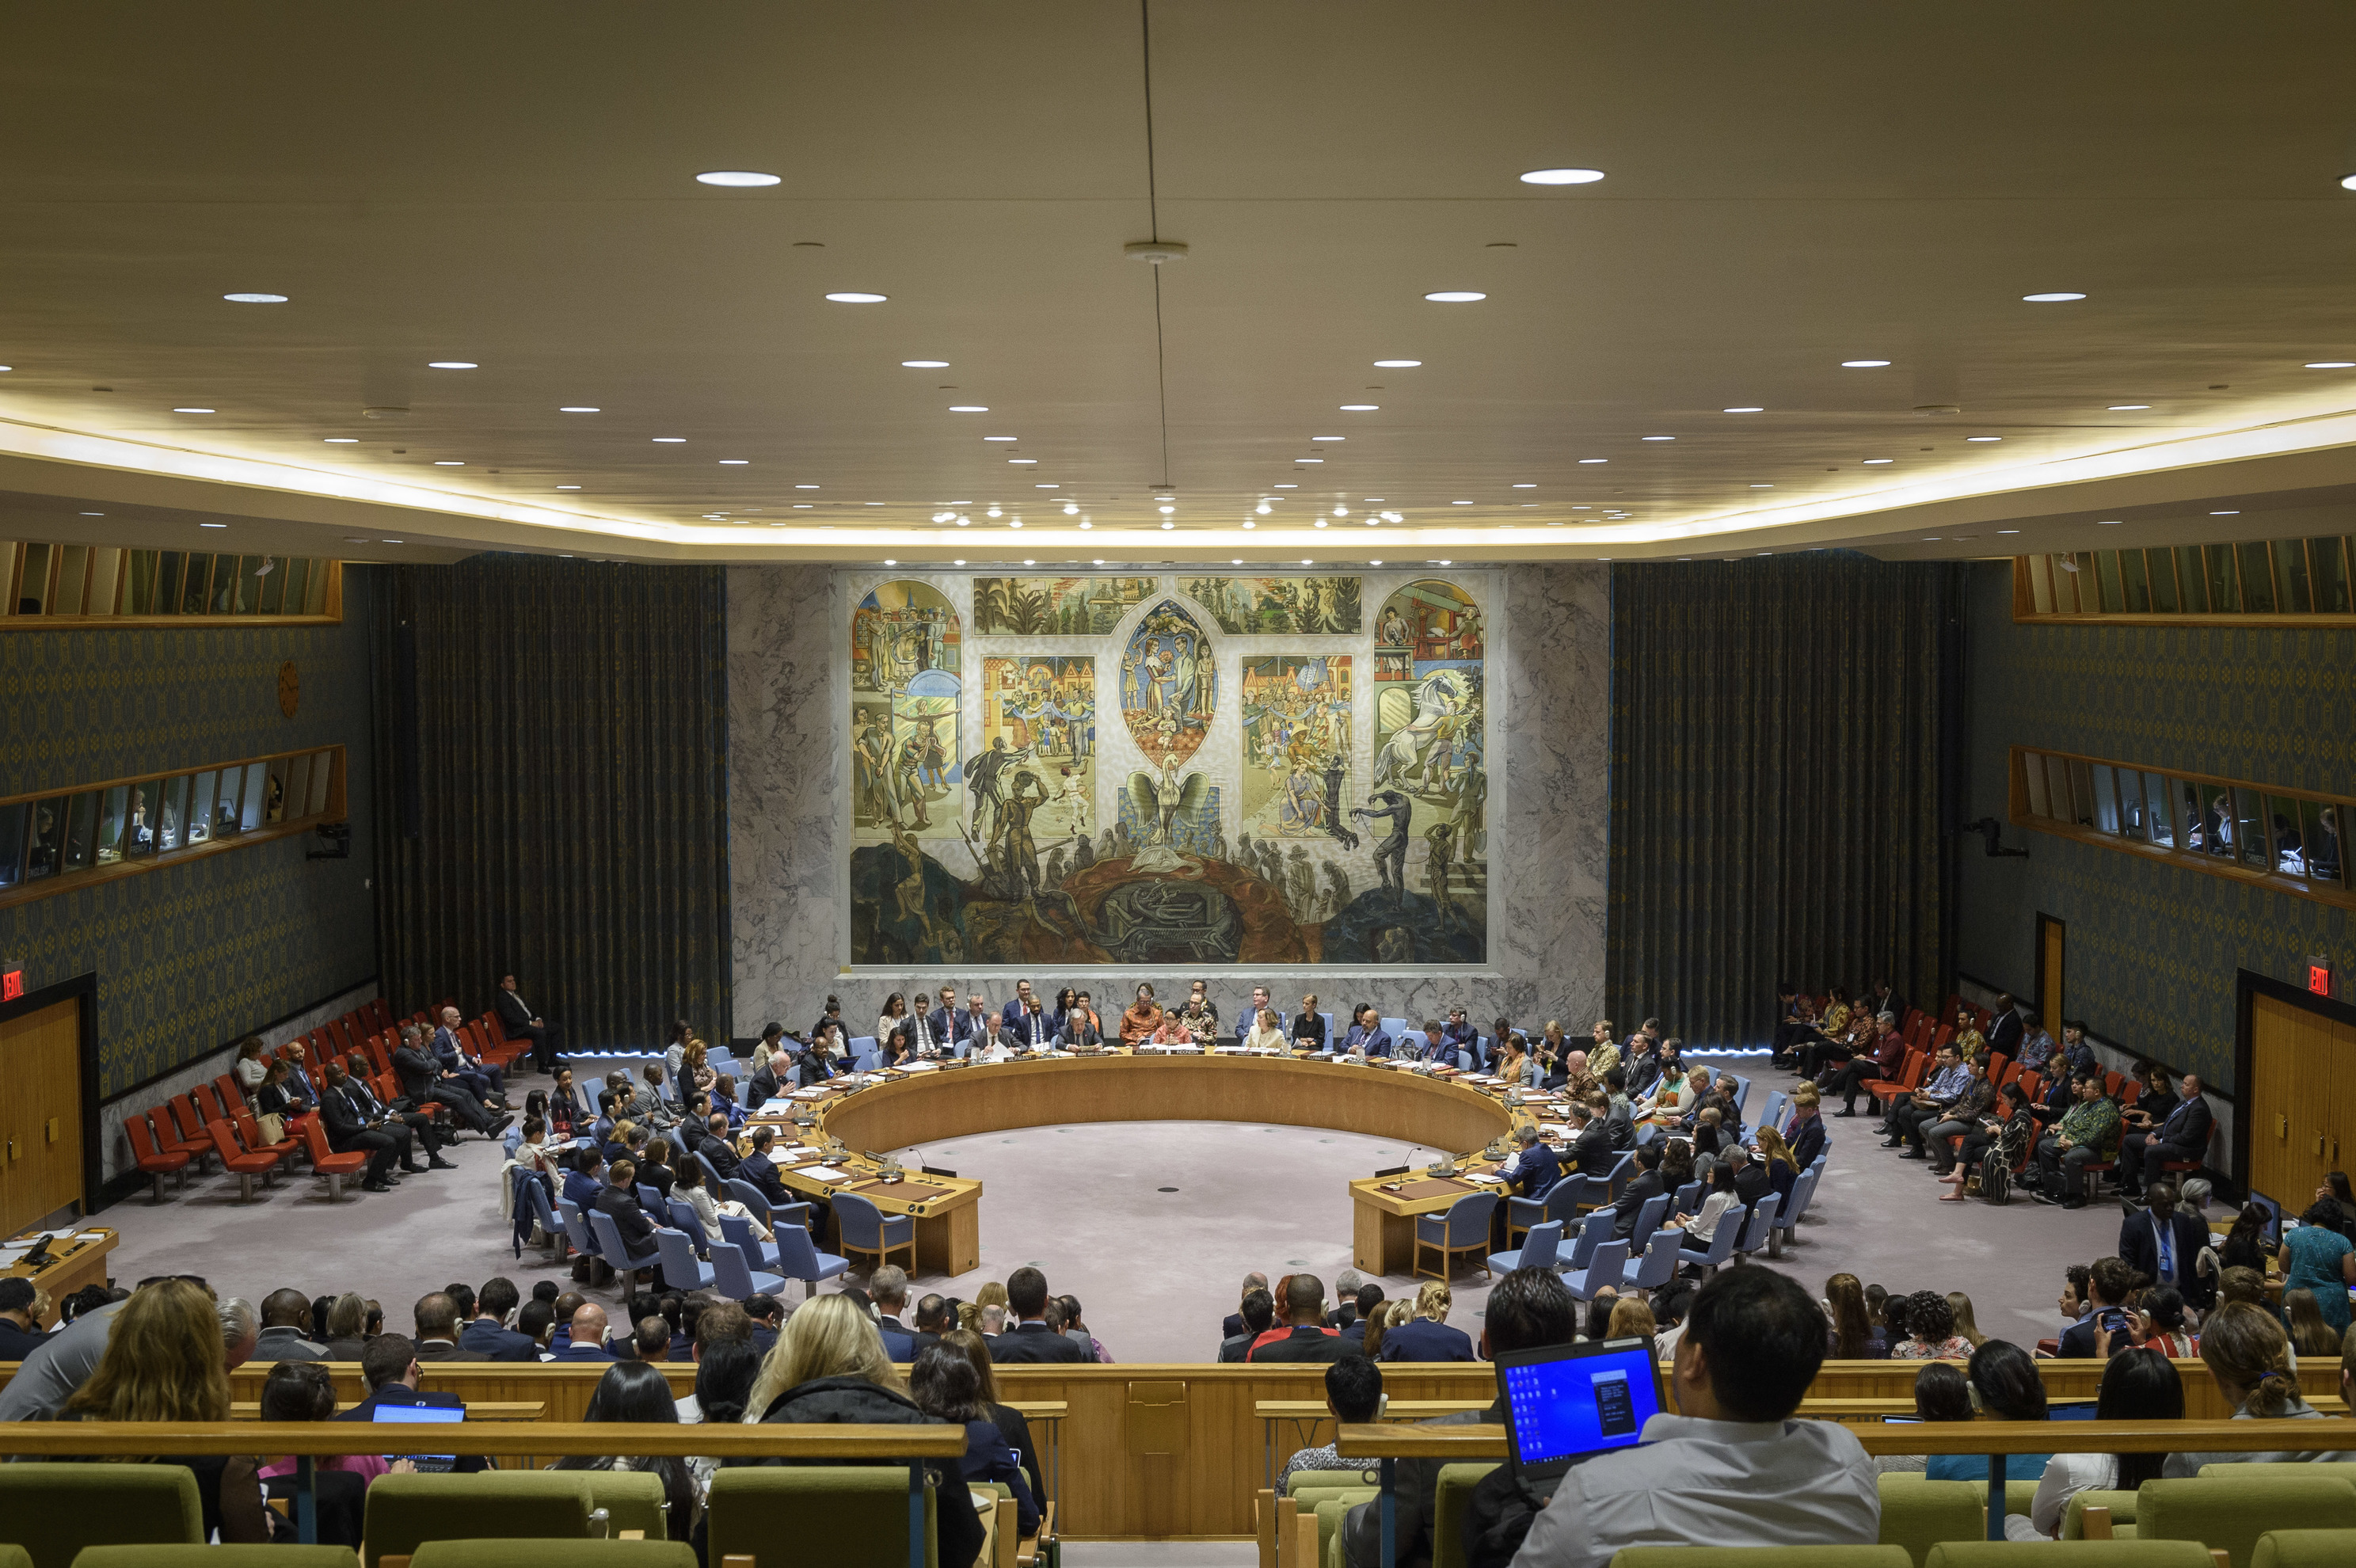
(2167, 1249)
(1034, 1028)
(924, 1037)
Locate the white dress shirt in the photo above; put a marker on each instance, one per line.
(1711, 1483)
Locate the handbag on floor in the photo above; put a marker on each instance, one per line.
(273, 1126)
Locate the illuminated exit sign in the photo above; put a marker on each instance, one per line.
(2319, 976)
(12, 980)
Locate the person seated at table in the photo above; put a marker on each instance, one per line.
(1267, 1033)
(897, 1047)
(1309, 1025)
(1144, 1016)
(1533, 1168)
(1746, 1472)
(302, 1390)
(759, 1168)
(1172, 1030)
(895, 1015)
(1646, 1184)
(1602, 1050)
(1199, 1014)
(1432, 1045)
(2316, 1255)
(719, 1145)
(1082, 1030)
(1459, 1035)
(977, 1025)
(1514, 1067)
(1366, 1036)
(1591, 1152)
(646, 1107)
(945, 1386)
(1671, 1098)
(823, 1060)
(2248, 1358)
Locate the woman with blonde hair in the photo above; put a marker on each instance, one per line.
(163, 1362)
(2248, 1358)
(1782, 1166)
(1966, 1326)
(2309, 1335)
(1632, 1318)
(1267, 1033)
(1426, 1336)
(1387, 1315)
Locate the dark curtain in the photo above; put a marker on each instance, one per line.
(1781, 732)
(552, 793)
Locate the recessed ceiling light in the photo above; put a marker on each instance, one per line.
(1236, 562)
(1249, 525)
(964, 521)
(2234, 513)
(568, 487)
(2060, 296)
(1455, 297)
(1440, 562)
(1983, 437)
(451, 365)
(1374, 500)
(342, 440)
(1167, 523)
(1562, 177)
(925, 364)
(1397, 364)
(967, 408)
(1071, 509)
(1284, 486)
(1029, 561)
(1022, 460)
(2331, 364)
(2007, 531)
(1595, 459)
(1329, 438)
(1863, 364)
(1763, 486)
(804, 506)
(1872, 462)
(193, 411)
(1263, 509)
(448, 463)
(1459, 503)
(1656, 438)
(1309, 460)
(579, 408)
(1931, 539)
(668, 440)
(1360, 407)
(889, 562)
(1375, 560)
(1047, 486)
(804, 487)
(734, 462)
(2108, 521)
(853, 297)
(862, 504)
(93, 514)
(995, 511)
(1167, 510)
(737, 178)
(7, 367)
(1086, 523)
(1001, 438)
(256, 298)
(1319, 523)
(2127, 407)
(225, 525)
(1742, 411)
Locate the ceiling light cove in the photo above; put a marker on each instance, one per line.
(341, 440)
(1657, 438)
(1360, 407)
(1983, 438)
(194, 411)
(737, 179)
(2331, 364)
(1863, 364)
(925, 364)
(968, 408)
(1562, 177)
(1455, 297)
(2059, 296)
(1745, 410)
(855, 296)
(452, 365)
(1595, 459)
(579, 408)
(668, 440)
(2128, 407)
(1397, 364)
(256, 298)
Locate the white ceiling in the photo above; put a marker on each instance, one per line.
(1787, 186)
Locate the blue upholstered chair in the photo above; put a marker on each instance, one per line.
(1562, 1202)
(1607, 1267)
(680, 1271)
(683, 1219)
(1463, 1227)
(651, 1199)
(1758, 1230)
(866, 1231)
(555, 1229)
(577, 1228)
(610, 1246)
(799, 1259)
(735, 1279)
(1593, 1231)
(1689, 1198)
(1719, 1248)
(1396, 1028)
(1537, 1250)
(1658, 1264)
(1649, 1215)
(862, 1053)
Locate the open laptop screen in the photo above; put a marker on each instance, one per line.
(1566, 1403)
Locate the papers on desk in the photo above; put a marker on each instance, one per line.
(815, 1091)
(1554, 1129)
(825, 1173)
(778, 1107)
(1479, 1078)
(921, 1067)
(1485, 1179)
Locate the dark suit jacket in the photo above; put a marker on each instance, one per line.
(419, 1075)
(1647, 1184)
(1028, 1343)
(1591, 1152)
(439, 1351)
(1807, 1142)
(2139, 1249)
(513, 1014)
(2078, 1340)
(343, 1120)
(1539, 1170)
(397, 1393)
(2004, 1035)
(723, 1157)
(629, 1219)
(1421, 1339)
(755, 1168)
(1307, 1343)
(15, 1343)
(493, 1342)
(2187, 1127)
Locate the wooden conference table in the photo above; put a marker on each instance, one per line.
(1443, 1111)
(77, 1258)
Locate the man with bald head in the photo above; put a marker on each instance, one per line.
(588, 1336)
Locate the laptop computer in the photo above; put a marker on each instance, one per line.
(1565, 1404)
(429, 1463)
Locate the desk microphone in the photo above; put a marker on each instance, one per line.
(1413, 1150)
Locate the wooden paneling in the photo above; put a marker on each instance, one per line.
(1176, 1451)
(2302, 1095)
(40, 1115)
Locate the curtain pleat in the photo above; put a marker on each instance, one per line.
(1776, 805)
(571, 770)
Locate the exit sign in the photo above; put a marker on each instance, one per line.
(2319, 976)
(12, 983)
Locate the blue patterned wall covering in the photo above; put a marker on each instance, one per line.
(2151, 948)
(192, 956)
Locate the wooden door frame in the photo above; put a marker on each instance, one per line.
(2248, 986)
(2037, 977)
(84, 988)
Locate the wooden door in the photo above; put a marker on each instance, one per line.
(2050, 934)
(40, 1115)
(2302, 1095)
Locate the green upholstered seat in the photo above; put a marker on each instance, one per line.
(54, 1511)
(1448, 1505)
(2068, 1554)
(2123, 1514)
(265, 1556)
(406, 1511)
(2230, 1512)
(845, 1516)
(2019, 1497)
(1917, 1514)
(15, 1556)
(1760, 1557)
(1331, 1509)
(2304, 1549)
(2292, 1467)
(633, 1499)
(553, 1554)
(1299, 1480)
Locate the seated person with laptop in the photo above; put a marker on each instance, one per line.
(1732, 1468)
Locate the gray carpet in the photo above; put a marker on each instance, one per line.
(1155, 1270)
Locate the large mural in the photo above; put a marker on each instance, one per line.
(1323, 800)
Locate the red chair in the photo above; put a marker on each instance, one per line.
(1910, 1078)
(375, 1017)
(241, 1162)
(233, 1098)
(250, 1133)
(326, 1163)
(2130, 1093)
(2181, 1167)
(194, 1135)
(156, 1162)
(509, 1049)
(1940, 1037)
(2112, 1078)
(339, 1038)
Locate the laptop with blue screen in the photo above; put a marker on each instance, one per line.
(1565, 1404)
